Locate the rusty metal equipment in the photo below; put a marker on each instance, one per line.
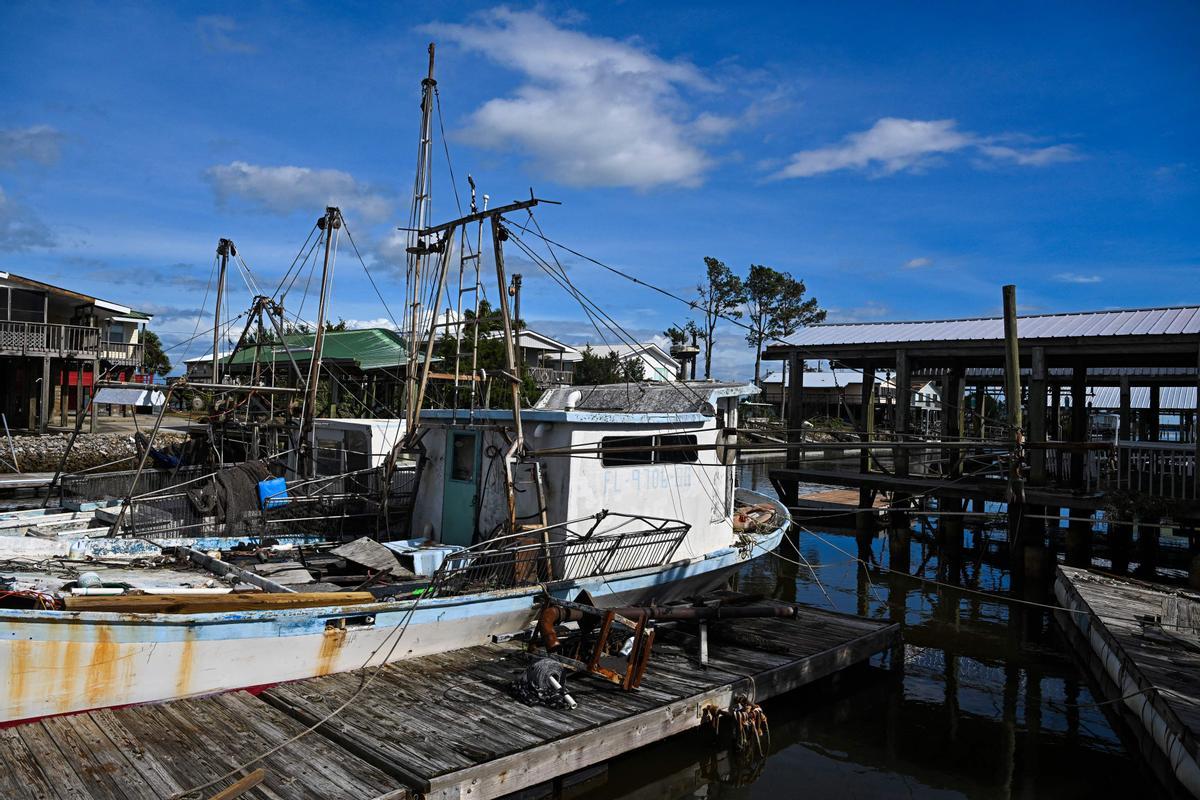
(607, 644)
(615, 643)
(748, 719)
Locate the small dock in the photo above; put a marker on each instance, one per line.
(1141, 644)
(832, 506)
(441, 726)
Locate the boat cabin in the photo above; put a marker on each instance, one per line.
(647, 449)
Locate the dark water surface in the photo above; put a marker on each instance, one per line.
(989, 703)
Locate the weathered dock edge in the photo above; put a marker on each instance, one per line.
(601, 742)
(1166, 741)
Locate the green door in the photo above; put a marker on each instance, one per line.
(461, 487)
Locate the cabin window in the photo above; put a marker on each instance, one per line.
(115, 333)
(624, 451)
(462, 456)
(682, 449)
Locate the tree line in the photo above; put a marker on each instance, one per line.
(772, 303)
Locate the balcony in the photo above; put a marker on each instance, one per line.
(64, 341)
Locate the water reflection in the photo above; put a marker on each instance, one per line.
(985, 701)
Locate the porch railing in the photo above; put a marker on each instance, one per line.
(74, 341)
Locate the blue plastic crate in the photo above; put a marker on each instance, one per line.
(272, 493)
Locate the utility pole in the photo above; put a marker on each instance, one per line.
(1012, 400)
(225, 249)
(330, 224)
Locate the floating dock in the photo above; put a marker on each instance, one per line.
(1141, 644)
(441, 726)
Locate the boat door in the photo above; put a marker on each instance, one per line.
(461, 487)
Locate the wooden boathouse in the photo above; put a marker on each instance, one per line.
(1063, 360)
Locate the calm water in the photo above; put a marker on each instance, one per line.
(987, 704)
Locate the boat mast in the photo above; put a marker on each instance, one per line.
(330, 224)
(418, 220)
(225, 249)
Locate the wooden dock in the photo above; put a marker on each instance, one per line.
(441, 726)
(1140, 644)
(832, 506)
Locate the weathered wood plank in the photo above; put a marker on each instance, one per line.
(531, 767)
(209, 603)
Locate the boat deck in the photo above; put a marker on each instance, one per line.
(438, 726)
(1145, 664)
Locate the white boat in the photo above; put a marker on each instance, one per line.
(670, 533)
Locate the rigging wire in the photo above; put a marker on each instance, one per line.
(697, 306)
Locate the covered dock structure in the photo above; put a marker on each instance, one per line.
(1066, 361)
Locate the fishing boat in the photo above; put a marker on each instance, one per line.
(615, 495)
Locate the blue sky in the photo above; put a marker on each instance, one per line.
(905, 160)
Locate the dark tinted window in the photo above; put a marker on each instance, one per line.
(678, 449)
(629, 448)
(462, 456)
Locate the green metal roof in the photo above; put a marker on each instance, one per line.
(370, 348)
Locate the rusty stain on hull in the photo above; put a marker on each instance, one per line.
(18, 659)
(186, 662)
(331, 645)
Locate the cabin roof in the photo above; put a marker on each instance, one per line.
(658, 397)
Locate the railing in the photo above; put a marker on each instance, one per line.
(121, 352)
(545, 376)
(37, 338)
(42, 339)
(558, 553)
(1159, 469)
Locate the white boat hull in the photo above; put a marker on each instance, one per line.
(58, 662)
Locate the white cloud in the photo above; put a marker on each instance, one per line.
(1075, 277)
(593, 111)
(917, 263)
(378, 322)
(20, 228)
(285, 189)
(219, 32)
(39, 143)
(1032, 157)
(894, 145)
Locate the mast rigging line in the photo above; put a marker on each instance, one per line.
(697, 307)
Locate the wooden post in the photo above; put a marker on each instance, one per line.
(1125, 432)
(951, 527)
(1012, 402)
(92, 393)
(1037, 415)
(900, 413)
(62, 388)
(1196, 435)
(1079, 425)
(44, 396)
(795, 406)
(866, 429)
(1154, 413)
